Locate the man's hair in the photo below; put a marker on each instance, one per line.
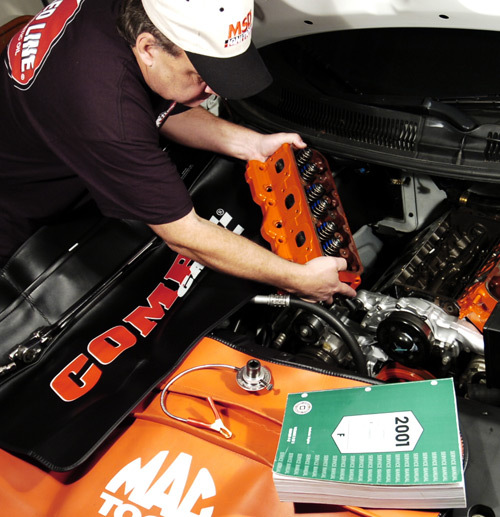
(133, 21)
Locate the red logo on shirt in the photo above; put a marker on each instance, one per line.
(29, 48)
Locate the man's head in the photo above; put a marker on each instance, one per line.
(214, 36)
(134, 21)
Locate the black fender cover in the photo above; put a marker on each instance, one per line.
(120, 344)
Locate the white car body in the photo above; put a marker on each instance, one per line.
(281, 19)
(277, 20)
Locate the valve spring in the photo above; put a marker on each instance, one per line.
(302, 156)
(332, 247)
(320, 207)
(315, 191)
(326, 230)
(308, 171)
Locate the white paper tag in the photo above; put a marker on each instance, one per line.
(379, 432)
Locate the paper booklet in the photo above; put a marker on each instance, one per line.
(382, 446)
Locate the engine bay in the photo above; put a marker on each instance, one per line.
(428, 272)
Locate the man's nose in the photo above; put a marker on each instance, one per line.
(209, 90)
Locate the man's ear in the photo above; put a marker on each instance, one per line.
(146, 47)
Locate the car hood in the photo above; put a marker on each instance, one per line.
(278, 20)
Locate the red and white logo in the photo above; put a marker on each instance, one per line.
(240, 31)
(30, 47)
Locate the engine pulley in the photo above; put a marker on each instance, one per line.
(406, 338)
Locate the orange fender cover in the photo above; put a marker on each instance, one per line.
(155, 466)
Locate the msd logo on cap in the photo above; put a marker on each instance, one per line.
(216, 36)
(213, 28)
(240, 31)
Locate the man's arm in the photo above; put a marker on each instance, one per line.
(225, 251)
(233, 254)
(200, 129)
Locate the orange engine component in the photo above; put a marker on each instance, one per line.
(481, 297)
(303, 215)
(396, 372)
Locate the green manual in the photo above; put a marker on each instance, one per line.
(382, 446)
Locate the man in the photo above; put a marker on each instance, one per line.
(82, 104)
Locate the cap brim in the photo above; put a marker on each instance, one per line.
(235, 77)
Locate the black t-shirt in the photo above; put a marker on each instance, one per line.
(78, 118)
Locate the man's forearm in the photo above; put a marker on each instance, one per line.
(200, 129)
(225, 251)
(220, 249)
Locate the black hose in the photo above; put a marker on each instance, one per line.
(339, 327)
(328, 317)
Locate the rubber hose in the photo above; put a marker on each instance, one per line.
(339, 327)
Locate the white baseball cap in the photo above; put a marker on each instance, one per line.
(216, 36)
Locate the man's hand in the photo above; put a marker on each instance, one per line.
(266, 145)
(320, 279)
